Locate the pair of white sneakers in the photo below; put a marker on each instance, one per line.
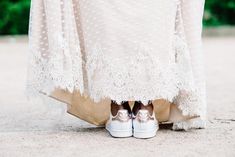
(124, 124)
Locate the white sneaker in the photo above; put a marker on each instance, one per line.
(144, 125)
(120, 125)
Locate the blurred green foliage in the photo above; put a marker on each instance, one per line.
(219, 12)
(14, 15)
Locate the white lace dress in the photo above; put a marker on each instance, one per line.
(122, 50)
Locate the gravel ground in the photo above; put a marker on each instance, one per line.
(40, 130)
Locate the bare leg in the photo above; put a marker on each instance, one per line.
(115, 107)
(139, 105)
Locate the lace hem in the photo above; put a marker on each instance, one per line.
(196, 123)
(54, 58)
(172, 81)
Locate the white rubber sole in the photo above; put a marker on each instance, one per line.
(119, 133)
(145, 134)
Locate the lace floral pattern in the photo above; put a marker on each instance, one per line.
(121, 50)
(55, 54)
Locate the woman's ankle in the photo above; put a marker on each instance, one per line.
(139, 105)
(115, 107)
